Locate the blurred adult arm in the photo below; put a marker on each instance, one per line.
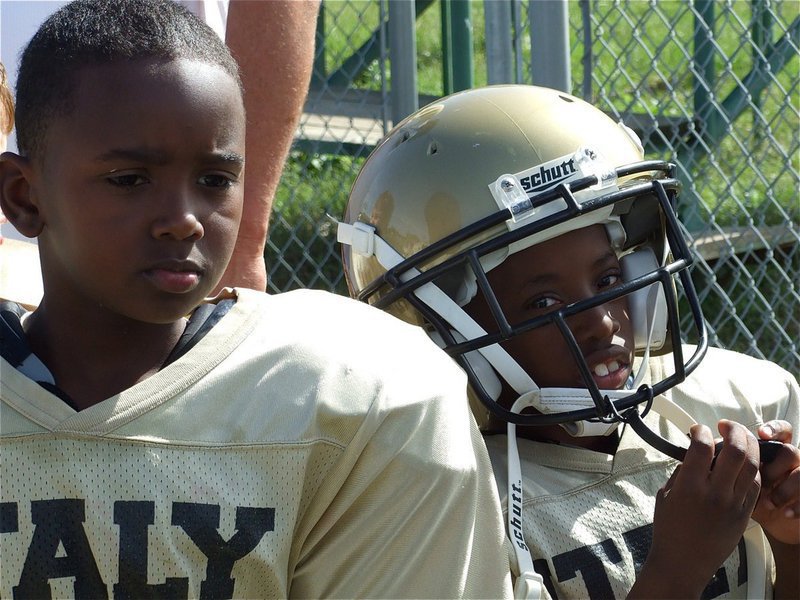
(273, 41)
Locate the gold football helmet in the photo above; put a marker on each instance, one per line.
(465, 182)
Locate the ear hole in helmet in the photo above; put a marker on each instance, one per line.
(647, 306)
(459, 284)
(642, 219)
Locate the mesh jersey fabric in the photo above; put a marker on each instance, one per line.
(287, 454)
(587, 516)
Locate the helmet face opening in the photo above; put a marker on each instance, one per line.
(549, 275)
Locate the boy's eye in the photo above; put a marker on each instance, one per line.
(609, 280)
(217, 180)
(542, 303)
(127, 180)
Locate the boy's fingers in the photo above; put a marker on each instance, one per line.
(787, 493)
(753, 492)
(664, 491)
(737, 463)
(786, 460)
(777, 429)
(701, 450)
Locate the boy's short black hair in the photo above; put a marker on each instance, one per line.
(95, 32)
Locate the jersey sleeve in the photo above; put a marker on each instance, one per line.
(415, 512)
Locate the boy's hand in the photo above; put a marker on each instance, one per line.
(778, 507)
(701, 513)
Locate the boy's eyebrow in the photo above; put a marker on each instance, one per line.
(158, 157)
(232, 157)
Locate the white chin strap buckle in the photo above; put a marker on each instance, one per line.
(359, 236)
(528, 585)
(558, 400)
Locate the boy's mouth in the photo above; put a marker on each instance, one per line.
(610, 374)
(175, 282)
(602, 369)
(175, 277)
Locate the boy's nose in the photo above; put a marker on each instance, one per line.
(595, 324)
(181, 224)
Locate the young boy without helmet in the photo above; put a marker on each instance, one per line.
(521, 227)
(155, 444)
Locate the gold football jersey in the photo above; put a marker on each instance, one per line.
(307, 446)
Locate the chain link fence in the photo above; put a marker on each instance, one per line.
(709, 84)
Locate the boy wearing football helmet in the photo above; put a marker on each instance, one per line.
(155, 444)
(523, 229)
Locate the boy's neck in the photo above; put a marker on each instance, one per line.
(94, 360)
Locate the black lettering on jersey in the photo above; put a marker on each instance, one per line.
(588, 561)
(133, 519)
(741, 576)
(201, 523)
(9, 520)
(640, 539)
(59, 523)
(542, 568)
(717, 586)
(638, 542)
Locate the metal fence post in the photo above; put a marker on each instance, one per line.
(457, 51)
(550, 57)
(499, 50)
(403, 56)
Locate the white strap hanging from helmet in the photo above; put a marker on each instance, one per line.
(528, 584)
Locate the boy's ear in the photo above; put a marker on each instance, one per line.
(16, 198)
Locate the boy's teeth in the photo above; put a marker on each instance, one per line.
(602, 369)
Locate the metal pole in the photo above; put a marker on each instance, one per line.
(457, 52)
(462, 45)
(705, 79)
(447, 47)
(550, 57)
(499, 51)
(403, 56)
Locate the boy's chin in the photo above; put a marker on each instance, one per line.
(171, 311)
